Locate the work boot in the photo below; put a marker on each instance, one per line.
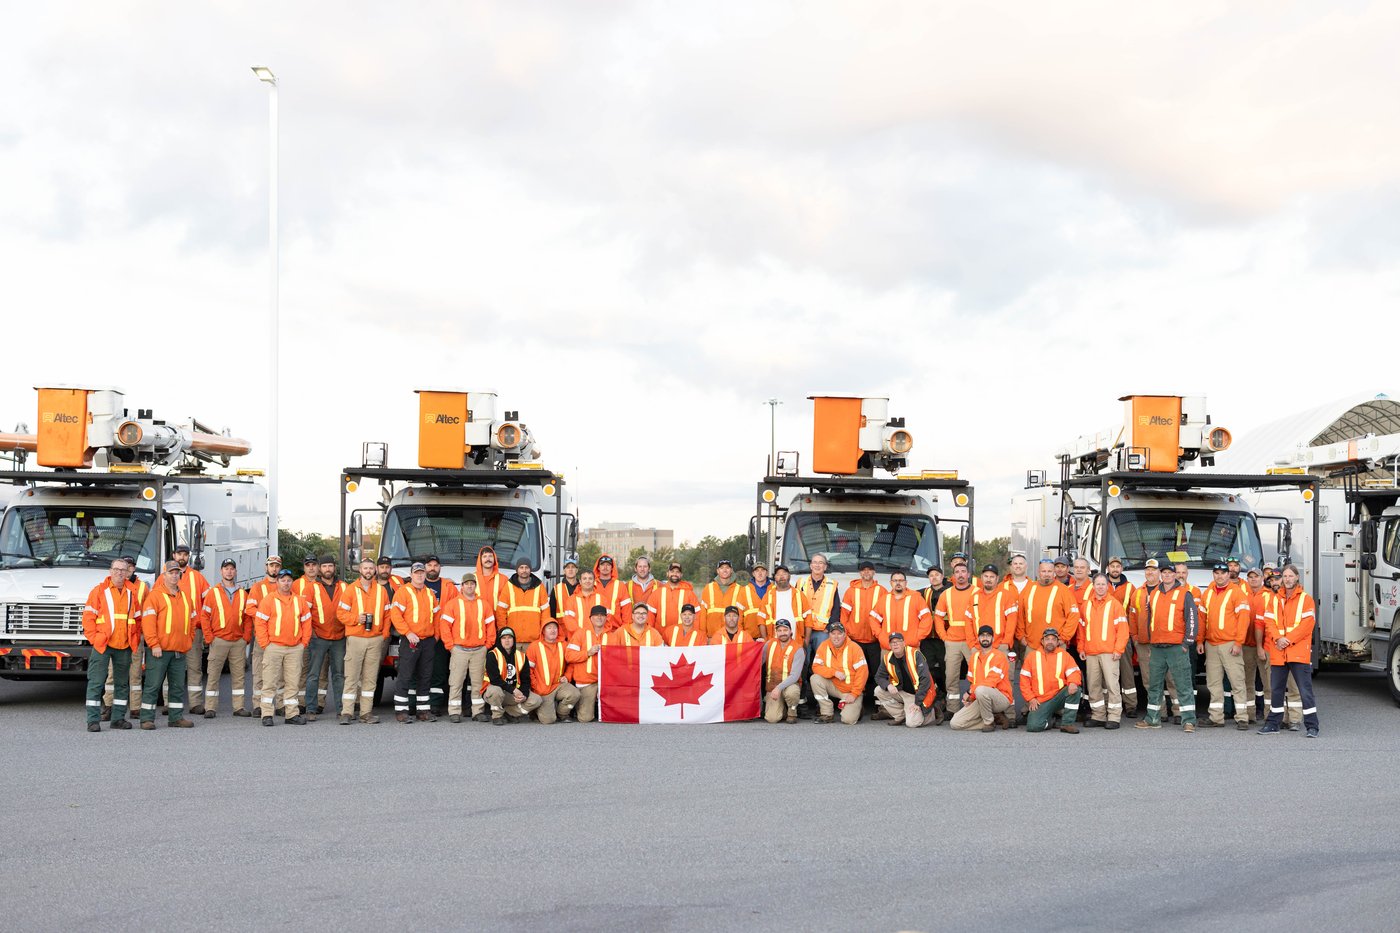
(1148, 724)
(1268, 729)
(498, 720)
(209, 714)
(892, 722)
(94, 727)
(121, 724)
(427, 717)
(455, 717)
(298, 720)
(197, 709)
(791, 715)
(1312, 733)
(1094, 724)
(182, 724)
(369, 719)
(312, 717)
(1189, 727)
(1012, 721)
(482, 716)
(346, 719)
(524, 717)
(990, 726)
(148, 726)
(1130, 713)
(402, 717)
(1291, 726)
(825, 718)
(242, 712)
(999, 719)
(269, 721)
(1176, 720)
(106, 714)
(879, 714)
(134, 714)
(319, 710)
(1072, 729)
(1242, 726)
(1110, 725)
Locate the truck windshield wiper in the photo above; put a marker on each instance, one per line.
(42, 561)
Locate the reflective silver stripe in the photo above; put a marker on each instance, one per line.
(366, 693)
(1217, 706)
(238, 693)
(116, 702)
(148, 706)
(1298, 704)
(1310, 709)
(1132, 690)
(1150, 706)
(94, 702)
(1276, 709)
(1190, 706)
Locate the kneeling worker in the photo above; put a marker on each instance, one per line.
(904, 687)
(839, 673)
(988, 694)
(783, 658)
(550, 693)
(1050, 682)
(507, 679)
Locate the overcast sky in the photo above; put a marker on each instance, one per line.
(638, 221)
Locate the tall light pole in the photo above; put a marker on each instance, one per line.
(772, 404)
(266, 76)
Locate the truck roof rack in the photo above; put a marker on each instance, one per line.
(435, 477)
(81, 478)
(863, 483)
(1183, 481)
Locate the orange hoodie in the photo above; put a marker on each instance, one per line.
(547, 666)
(1103, 626)
(617, 596)
(168, 619)
(490, 584)
(325, 620)
(988, 669)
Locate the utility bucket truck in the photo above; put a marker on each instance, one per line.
(854, 506)
(479, 483)
(111, 482)
(1129, 492)
(1357, 584)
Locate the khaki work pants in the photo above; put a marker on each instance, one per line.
(1127, 681)
(587, 709)
(499, 700)
(362, 659)
(1103, 679)
(553, 705)
(281, 670)
(224, 652)
(1256, 661)
(1220, 661)
(828, 693)
(256, 666)
(134, 682)
(986, 703)
(902, 707)
(466, 661)
(776, 710)
(955, 655)
(194, 670)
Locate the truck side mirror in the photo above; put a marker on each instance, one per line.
(1368, 538)
(1285, 541)
(197, 544)
(1368, 561)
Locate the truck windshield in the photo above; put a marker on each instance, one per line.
(1203, 535)
(890, 542)
(456, 533)
(76, 536)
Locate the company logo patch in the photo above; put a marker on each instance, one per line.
(58, 417)
(441, 419)
(1147, 421)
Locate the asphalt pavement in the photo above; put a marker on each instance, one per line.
(233, 826)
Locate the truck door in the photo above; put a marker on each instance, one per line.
(189, 530)
(1275, 538)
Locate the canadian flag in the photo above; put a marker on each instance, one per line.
(714, 683)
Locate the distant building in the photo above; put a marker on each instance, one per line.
(621, 538)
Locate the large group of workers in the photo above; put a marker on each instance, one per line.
(998, 650)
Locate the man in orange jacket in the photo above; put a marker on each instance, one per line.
(839, 673)
(782, 669)
(904, 688)
(256, 594)
(1262, 604)
(640, 587)
(732, 632)
(1225, 626)
(561, 591)
(988, 694)
(782, 600)
(414, 616)
(904, 611)
(466, 626)
(667, 598)
(582, 654)
(576, 609)
(1050, 682)
(364, 611)
(138, 590)
(550, 694)
(168, 621)
(637, 633)
(196, 586)
(688, 633)
(1122, 590)
(616, 596)
(1103, 637)
(111, 620)
(952, 622)
(226, 625)
(325, 655)
(524, 605)
(1171, 625)
(283, 628)
(857, 602)
(718, 595)
(1290, 634)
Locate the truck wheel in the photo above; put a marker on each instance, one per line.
(1392, 668)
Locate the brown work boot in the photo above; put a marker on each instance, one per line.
(106, 714)
(1189, 727)
(999, 719)
(791, 714)
(148, 725)
(369, 719)
(346, 719)
(1072, 729)
(427, 717)
(402, 717)
(197, 709)
(879, 714)
(455, 717)
(825, 717)
(182, 724)
(990, 727)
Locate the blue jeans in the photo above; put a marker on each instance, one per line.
(319, 649)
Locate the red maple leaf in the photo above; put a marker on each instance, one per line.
(681, 686)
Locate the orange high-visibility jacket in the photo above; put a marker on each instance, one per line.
(904, 676)
(525, 611)
(677, 637)
(547, 664)
(256, 592)
(355, 602)
(140, 590)
(283, 620)
(1103, 625)
(1139, 608)
(714, 599)
(194, 585)
(906, 613)
(988, 669)
(1081, 592)
(466, 623)
(583, 666)
(859, 599)
(1045, 606)
(801, 607)
(999, 609)
(665, 602)
(639, 595)
(576, 610)
(1123, 592)
(1294, 618)
(1044, 674)
(325, 622)
(223, 617)
(821, 600)
(954, 613)
(777, 662)
(740, 637)
(848, 661)
(1261, 605)
(627, 637)
(1223, 617)
(168, 619)
(617, 597)
(112, 617)
(755, 619)
(1167, 616)
(414, 611)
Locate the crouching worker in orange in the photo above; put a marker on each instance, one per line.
(903, 686)
(550, 693)
(839, 673)
(1050, 682)
(582, 655)
(988, 694)
(782, 674)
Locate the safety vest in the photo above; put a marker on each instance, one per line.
(831, 659)
(296, 617)
(906, 625)
(113, 616)
(1217, 603)
(587, 639)
(1040, 672)
(1283, 611)
(1171, 628)
(777, 661)
(518, 657)
(677, 638)
(983, 662)
(419, 615)
(909, 665)
(318, 599)
(667, 601)
(630, 639)
(1041, 600)
(221, 597)
(821, 600)
(516, 600)
(722, 637)
(550, 674)
(169, 611)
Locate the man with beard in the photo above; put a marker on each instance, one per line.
(668, 597)
(524, 605)
(615, 595)
(444, 591)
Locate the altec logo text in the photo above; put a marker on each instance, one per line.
(441, 419)
(58, 417)
(1156, 420)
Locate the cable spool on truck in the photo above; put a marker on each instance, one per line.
(861, 506)
(112, 482)
(1130, 492)
(480, 482)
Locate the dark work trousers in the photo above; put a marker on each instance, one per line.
(871, 650)
(442, 663)
(415, 675)
(1278, 689)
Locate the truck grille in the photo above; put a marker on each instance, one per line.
(43, 619)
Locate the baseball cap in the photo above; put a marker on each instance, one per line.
(991, 568)
(893, 635)
(836, 627)
(228, 562)
(1151, 563)
(605, 559)
(986, 630)
(285, 573)
(1061, 559)
(181, 547)
(598, 611)
(468, 577)
(274, 559)
(1115, 560)
(782, 567)
(688, 608)
(1050, 630)
(674, 565)
(1046, 560)
(866, 565)
(431, 558)
(1254, 572)
(959, 556)
(733, 609)
(1220, 565)
(383, 562)
(310, 559)
(784, 623)
(723, 561)
(417, 566)
(169, 566)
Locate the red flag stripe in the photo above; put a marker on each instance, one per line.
(743, 665)
(618, 675)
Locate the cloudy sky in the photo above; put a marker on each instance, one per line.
(638, 221)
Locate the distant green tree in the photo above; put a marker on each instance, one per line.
(588, 554)
(992, 551)
(294, 547)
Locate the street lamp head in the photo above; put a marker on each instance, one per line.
(265, 74)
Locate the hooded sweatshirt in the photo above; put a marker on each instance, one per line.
(490, 585)
(507, 669)
(524, 607)
(616, 596)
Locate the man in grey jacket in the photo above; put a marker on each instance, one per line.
(782, 673)
(903, 686)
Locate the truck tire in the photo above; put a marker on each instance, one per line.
(1392, 667)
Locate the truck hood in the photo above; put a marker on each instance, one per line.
(48, 584)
